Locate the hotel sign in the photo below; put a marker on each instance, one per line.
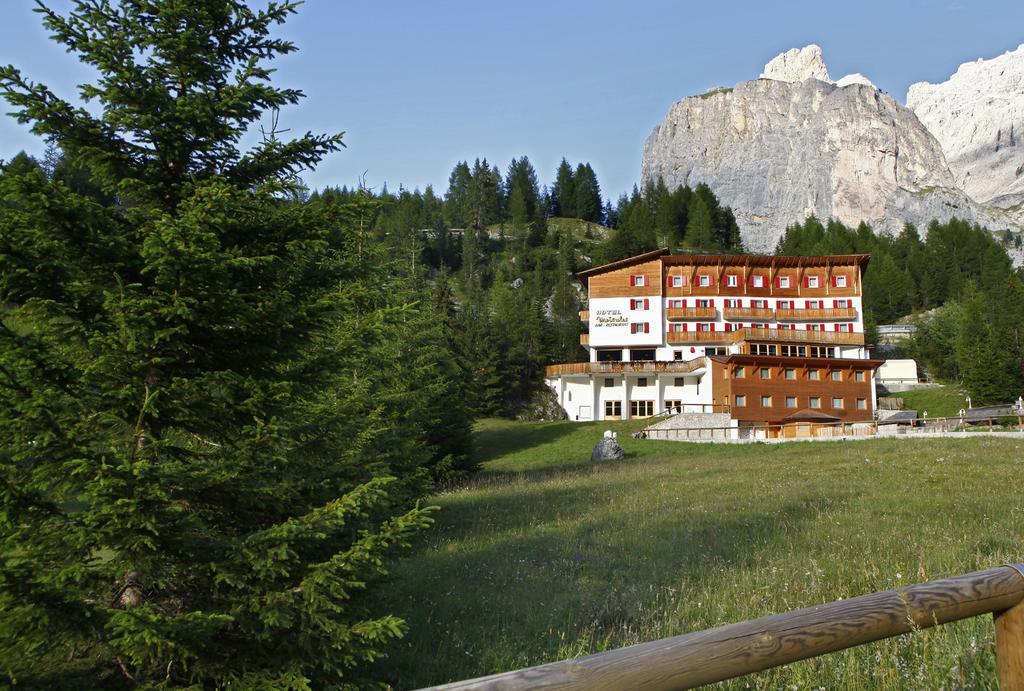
(610, 318)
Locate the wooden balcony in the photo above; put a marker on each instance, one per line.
(683, 313)
(754, 313)
(793, 336)
(822, 314)
(584, 315)
(584, 339)
(675, 337)
(650, 367)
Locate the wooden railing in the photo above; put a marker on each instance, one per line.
(584, 315)
(794, 336)
(812, 314)
(691, 313)
(584, 339)
(700, 337)
(761, 313)
(650, 367)
(726, 652)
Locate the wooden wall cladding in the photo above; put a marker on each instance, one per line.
(617, 283)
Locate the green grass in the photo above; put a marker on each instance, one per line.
(941, 401)
(546, 555)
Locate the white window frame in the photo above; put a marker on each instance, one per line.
(678, 281)
(704, 281)
(813, 282)
(638, 280)
(758, 281)
(784, 281)
(732, 281)
(840, 281)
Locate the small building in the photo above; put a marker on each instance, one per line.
(897, 372)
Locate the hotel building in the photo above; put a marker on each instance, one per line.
(769, 340)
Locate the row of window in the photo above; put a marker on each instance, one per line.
(814, 402)
(680, 327)
(790, 373)
(645, 381)
(638, 408)
(732, 280)
(644, 303)
(791, 350)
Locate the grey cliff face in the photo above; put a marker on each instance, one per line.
(779, 150)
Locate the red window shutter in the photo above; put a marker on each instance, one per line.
(712, 327)
(684, 326)
(835, 281)
(632, 280)
(683, 303)
(849, 328)
(647, 304)
(647, 328)
(778, 281)
(822, 327)
(837, 327)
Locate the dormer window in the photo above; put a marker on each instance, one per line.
(812, 282)
(732, 280)
(784, 281)
(704, 281)
(839, 281)
(757, 281)
(678, 281)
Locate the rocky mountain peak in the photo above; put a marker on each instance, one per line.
(797, 65)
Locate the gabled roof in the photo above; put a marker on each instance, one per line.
(808, 415)
(623, 263)
(761, 260)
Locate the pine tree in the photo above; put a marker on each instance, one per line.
(563, 193)
(700, 234)
(197, 479)
(587, 203)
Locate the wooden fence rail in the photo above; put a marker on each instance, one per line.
(704, 657)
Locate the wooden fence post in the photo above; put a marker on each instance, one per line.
(1010, 648)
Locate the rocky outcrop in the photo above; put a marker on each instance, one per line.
(607, 449)
(792, 144)
(796, 65)
(978, 117)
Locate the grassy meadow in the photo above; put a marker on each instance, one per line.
(941, 401)
(545, 555)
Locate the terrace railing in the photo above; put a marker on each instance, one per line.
(647, 367)
(713, 655)
(682, 313)
(755, 313)
(815, 314)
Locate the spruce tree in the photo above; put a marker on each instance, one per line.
(563, 193)
(700, 234)
(197, 478)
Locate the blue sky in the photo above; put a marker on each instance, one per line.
(417, 86)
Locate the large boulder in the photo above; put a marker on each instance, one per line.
(607, 449)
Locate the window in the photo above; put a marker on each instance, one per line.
(642, 381)
(837, 375)
(759, 303)
(785, 304)
(815, 402)
(812, 282)
(704, 281)
(791, 401)
(732, 280)
(739, 373)
(642, 355)
(609, 356)
(784, 281)
(813, 304)
(732, 302)
(640, 304)
(814, 327)
(677, 355)
(675, 303)
(674, 406)
(841, 304)
(766, 373)
(679, 381)
(612, 409)
(678, 281)
(757, 281)
(839, 281)
(791, 374)
(766, 401)
(837, 402)
(862, 404)
(638, 281)
(641, 408)
(813, 374)
(640, 328)
(858, 376)
(741, 400)
(608, 381)
(704, 303)
(704, 326)
(716, 350)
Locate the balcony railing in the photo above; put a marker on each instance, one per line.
(584, 315)
(584, 339)
(757, 313)
(700, 337)
(794, 336)
(680, 313)
(649, 367)
(815, 314)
